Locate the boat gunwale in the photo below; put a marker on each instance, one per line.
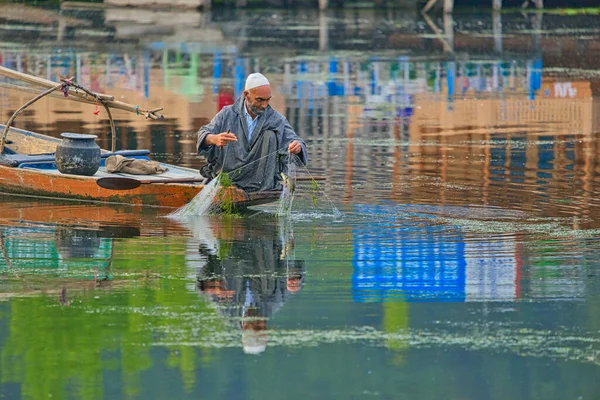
(105, 196)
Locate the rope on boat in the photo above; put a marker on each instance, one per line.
(68, 87)
(99, 99)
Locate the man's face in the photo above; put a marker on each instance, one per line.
(258, 99)
(294, 284)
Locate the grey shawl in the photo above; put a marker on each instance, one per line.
(253, 265)
(254, 166)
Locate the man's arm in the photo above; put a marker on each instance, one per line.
(289, 137)
(213, 127)
(212, 135)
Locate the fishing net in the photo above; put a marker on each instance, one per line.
(204, 203)
(209, 200)
(303, 194)
(289, 188)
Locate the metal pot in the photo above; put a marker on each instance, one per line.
(77, 154)
(77, 243)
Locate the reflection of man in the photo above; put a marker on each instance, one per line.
(254, 327)
(247, 278)
(251, 139)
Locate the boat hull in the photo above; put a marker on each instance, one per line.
(40, 183)
(28, 168)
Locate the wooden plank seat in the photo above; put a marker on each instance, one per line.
(11, 159)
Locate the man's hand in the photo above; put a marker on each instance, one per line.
(295, 147)
(220, 139)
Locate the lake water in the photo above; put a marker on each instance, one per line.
(465, 166)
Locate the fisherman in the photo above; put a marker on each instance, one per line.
(250, 141)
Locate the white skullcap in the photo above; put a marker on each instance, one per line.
(254, 350)
(254, 342)
(255, 80)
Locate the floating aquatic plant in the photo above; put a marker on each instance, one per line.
(225, 197)
(314, 190)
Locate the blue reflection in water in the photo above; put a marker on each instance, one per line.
(398, 259)
(546, 160)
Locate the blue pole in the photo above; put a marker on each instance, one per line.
(451, 78)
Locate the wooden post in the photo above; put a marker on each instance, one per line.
(449, 31)
(536, 24)
(497, 29)
(62, 28)
(429, 4)
(447, 36)
(323, 4)
(448, 6)
(497, 4)
(323, 31)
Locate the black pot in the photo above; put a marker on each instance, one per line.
(76, 243)
(78, 154)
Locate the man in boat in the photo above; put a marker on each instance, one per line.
(250, 141)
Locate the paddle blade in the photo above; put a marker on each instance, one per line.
(118, 183)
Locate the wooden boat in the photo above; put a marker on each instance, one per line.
(27, 167)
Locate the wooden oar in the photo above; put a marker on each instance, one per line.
(125, 183)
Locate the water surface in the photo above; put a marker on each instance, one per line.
(465, 166)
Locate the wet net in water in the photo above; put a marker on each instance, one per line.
(286, 199)
(305, 197)
(204, 203)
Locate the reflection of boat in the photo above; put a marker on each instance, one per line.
(27, 166)
(109, 220)
(53, 260)
(55, 247)
(70, 251)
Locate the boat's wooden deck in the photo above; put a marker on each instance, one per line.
(173, 172)
(25, 142)
(40, 154)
